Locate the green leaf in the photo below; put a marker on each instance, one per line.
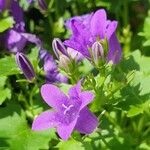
(70, 145)
(6, 24)
(16, 133)
(8, 66)
(2, 81)
(135, 110)
(135, 96)
(4, 92)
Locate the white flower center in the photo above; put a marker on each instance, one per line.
(66, 108)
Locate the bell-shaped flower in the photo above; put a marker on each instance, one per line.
(69, 112)
(25, 66)
(15, 39)
(88, 29)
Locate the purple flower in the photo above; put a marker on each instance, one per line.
(14, 9)
(50, 68)
(88, 29)
(69, 112)
(15, 41)
(25, 66)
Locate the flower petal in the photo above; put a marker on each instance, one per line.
(2, 4)
(111, 29)
(65, 131)
(75, 90)
(14, 41)
(98, 22)
(44, 121)
(115, 51)
(86, 122)
(86, 97)
(53, 96)
(17, 11)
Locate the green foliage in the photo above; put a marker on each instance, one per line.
(146, 30)
(16, 133)
(4, 92)
(8, 66)
(6, 23)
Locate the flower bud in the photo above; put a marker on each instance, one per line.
(97, 52)
(25, 66)
(58, 47)
(64, 62)
(42, 4)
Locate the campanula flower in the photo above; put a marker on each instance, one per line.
(15, 39)
(69, 112)
(50, 68)
(25, 66)
(91, 28)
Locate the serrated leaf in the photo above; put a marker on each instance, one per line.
(135, 96)
(8, 66)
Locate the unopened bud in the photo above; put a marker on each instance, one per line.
(59, 48)
(64, 62)
(25, 66)
(42, 4)
(97, 52)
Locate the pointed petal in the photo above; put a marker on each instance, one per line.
(17, 11)
(98, 22)
(87, 122)
(44, 121)
(86, 97)
(65, 131)
(75, 90)
(112, 26)
(115, 51)
(53, 96)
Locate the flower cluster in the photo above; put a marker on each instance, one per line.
(93, 37)
(90, 33)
